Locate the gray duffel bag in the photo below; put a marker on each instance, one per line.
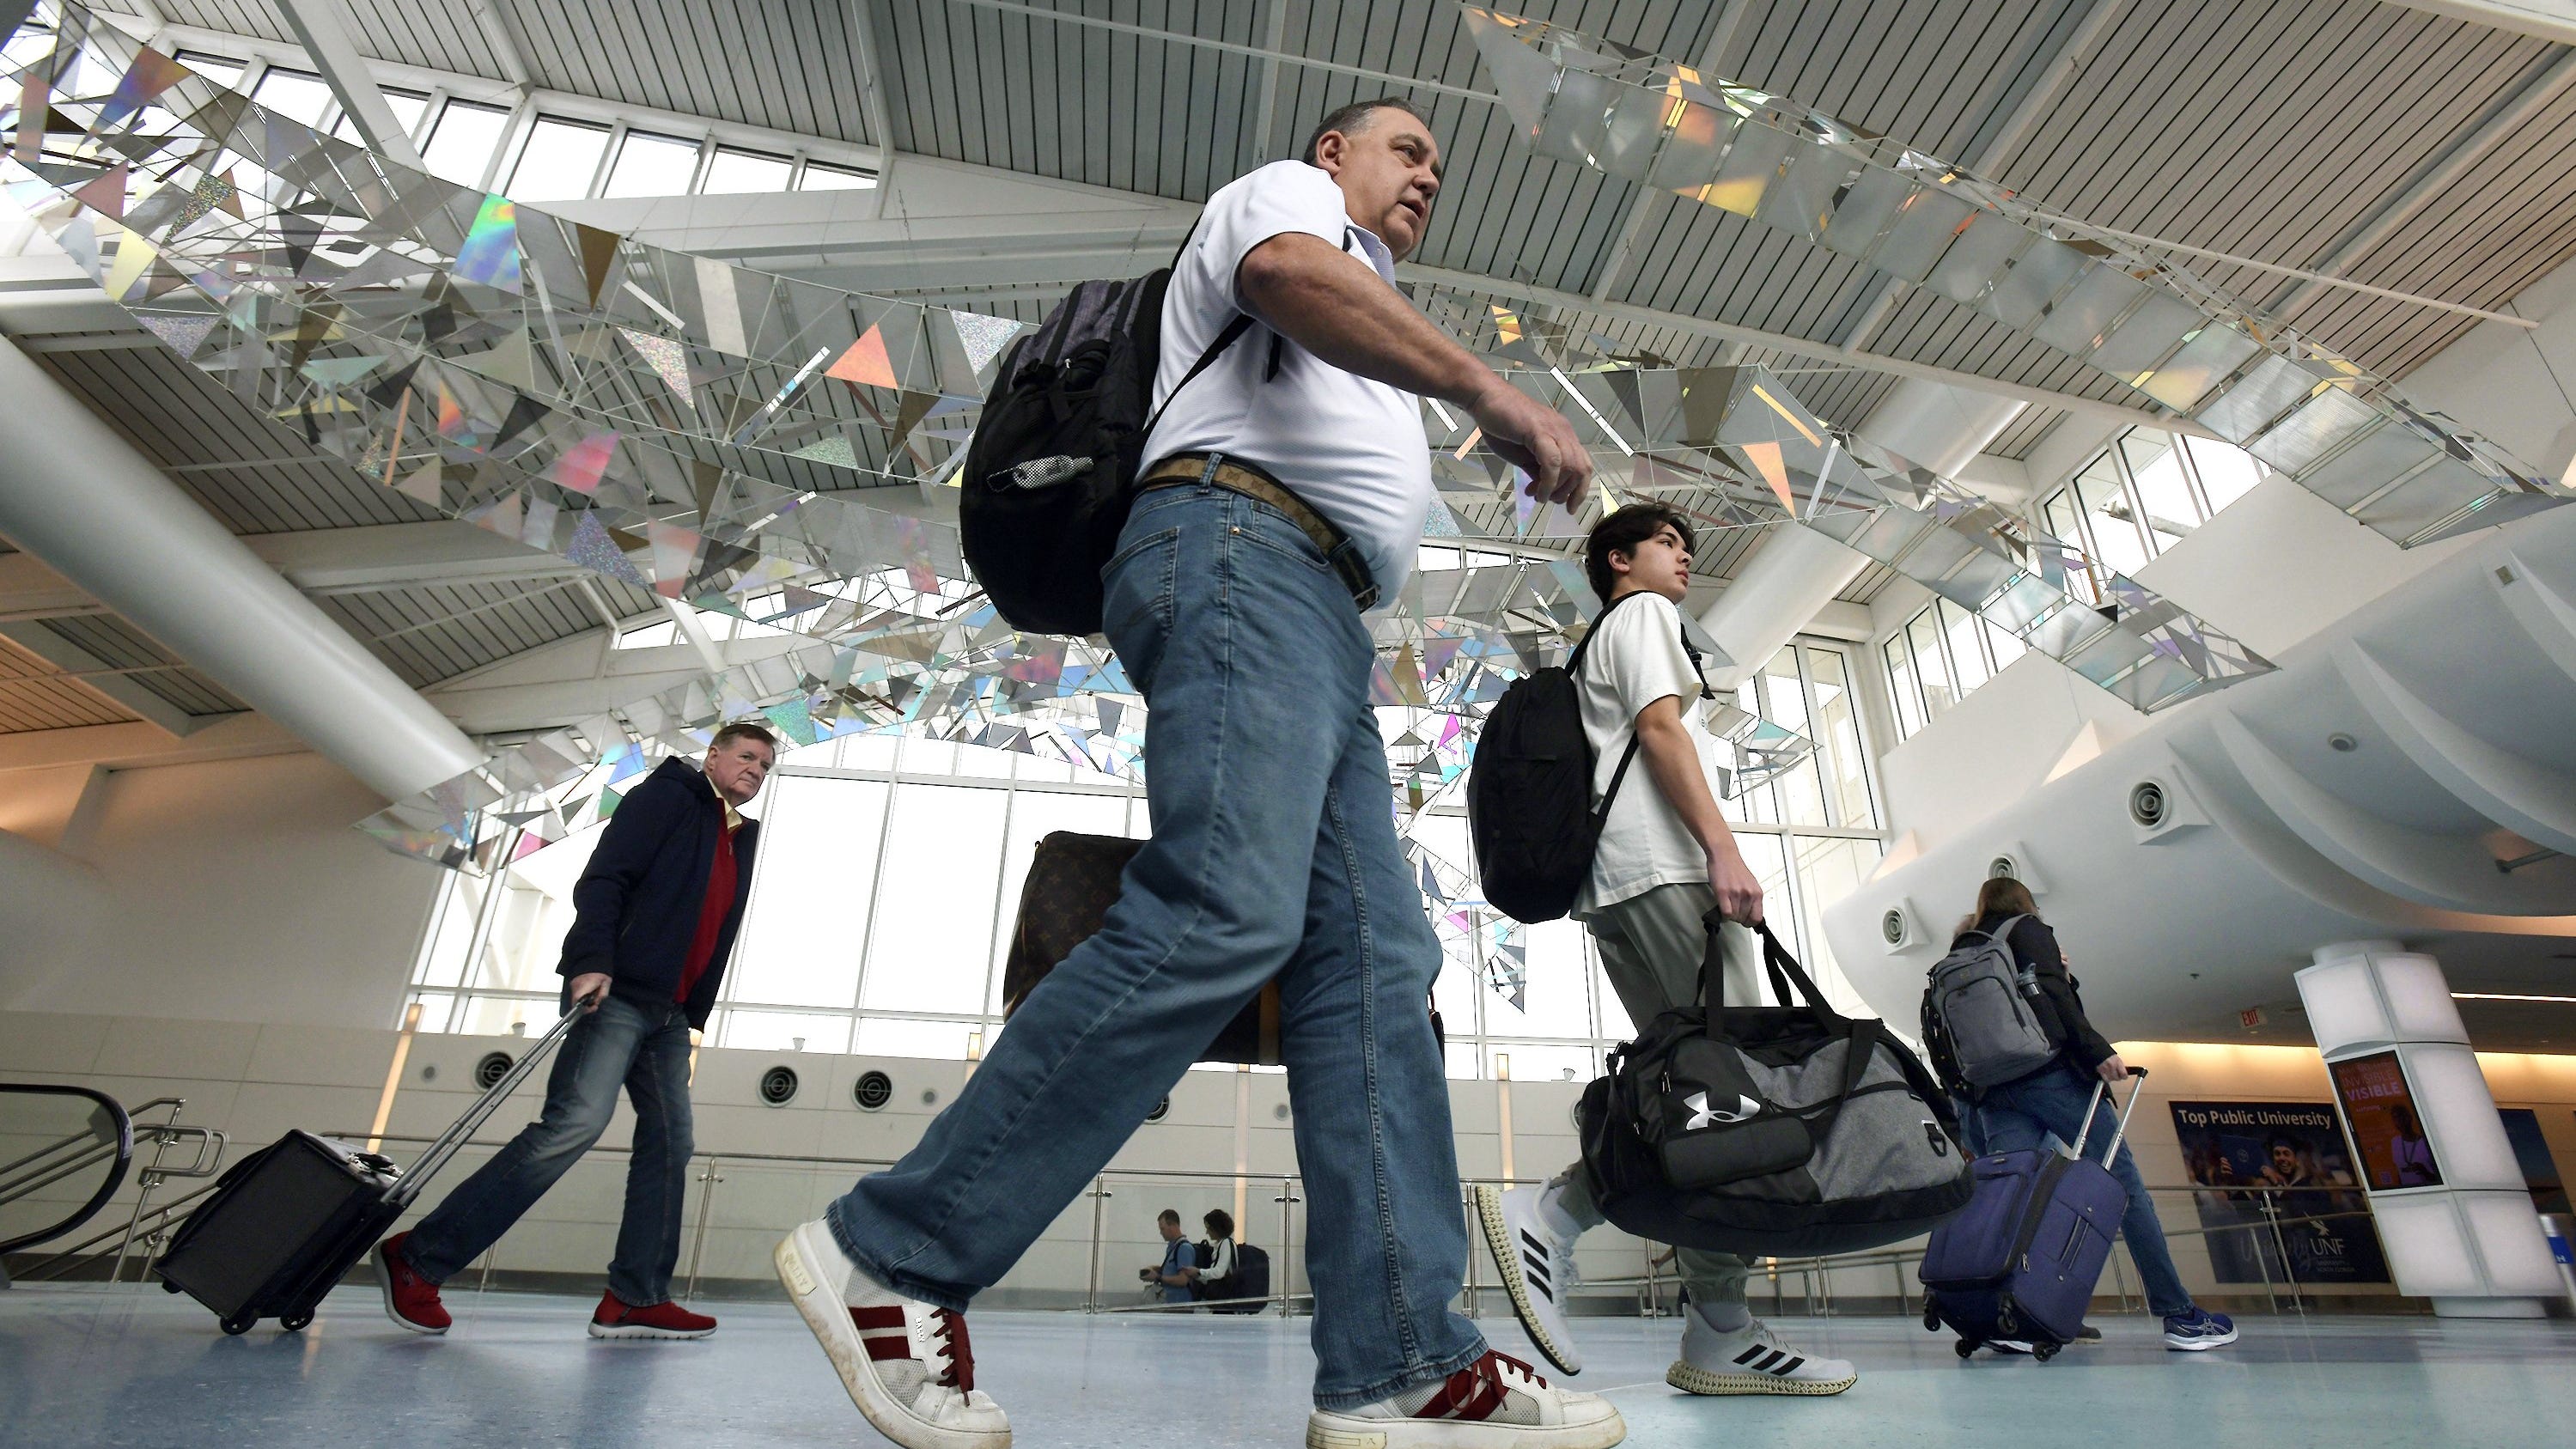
(1771, 1131)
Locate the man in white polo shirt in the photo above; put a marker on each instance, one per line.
(1285, 492)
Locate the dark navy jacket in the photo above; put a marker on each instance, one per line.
(635, 909)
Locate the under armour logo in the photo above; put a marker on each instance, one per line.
(1702, 1115)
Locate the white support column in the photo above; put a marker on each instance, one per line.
(85, 503)
(2467, 1238)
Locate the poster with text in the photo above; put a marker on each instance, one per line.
(2386, 1128)
(2290, 1209)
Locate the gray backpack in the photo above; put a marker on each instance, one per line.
(1985, 1002)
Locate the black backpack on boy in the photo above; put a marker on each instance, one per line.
(1529, 793)
(1052, 469)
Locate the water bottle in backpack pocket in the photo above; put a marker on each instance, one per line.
(1987, 1003)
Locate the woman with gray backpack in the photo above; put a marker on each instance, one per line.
(2007, 1033)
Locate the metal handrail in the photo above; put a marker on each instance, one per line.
(153, 1223)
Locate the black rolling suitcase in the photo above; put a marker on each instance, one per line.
(285, 1223)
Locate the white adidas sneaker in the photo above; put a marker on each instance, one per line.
(1751, 1360)
(1537, 1268)
(907, 1364)
(1497, 1402)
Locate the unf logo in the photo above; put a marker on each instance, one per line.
(1702, 1115)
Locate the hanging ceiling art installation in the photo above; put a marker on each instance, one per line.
(2178, 344)
(778, 451)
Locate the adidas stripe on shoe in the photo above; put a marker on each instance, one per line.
(1536, 1268)
(1751, 1360)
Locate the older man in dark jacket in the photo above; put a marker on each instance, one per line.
(655, 916)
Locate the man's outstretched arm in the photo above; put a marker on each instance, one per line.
(1336, 307)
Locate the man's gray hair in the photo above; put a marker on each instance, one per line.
(1354, 118)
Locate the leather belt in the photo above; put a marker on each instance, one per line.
(1215, 470)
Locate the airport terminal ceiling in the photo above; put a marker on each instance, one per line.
(2425, 161)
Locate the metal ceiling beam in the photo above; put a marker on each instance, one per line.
(321, 27)
(501, 32)
(2530, 101)
(872, 102)
(1721, 33)
(1274, 34)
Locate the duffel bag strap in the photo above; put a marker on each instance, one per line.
(1712, 970)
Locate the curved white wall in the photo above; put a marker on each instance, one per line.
(2454, 692)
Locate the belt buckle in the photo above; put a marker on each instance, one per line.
(1346, 562)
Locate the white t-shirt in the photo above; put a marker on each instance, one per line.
(1635, 658)
(1353, 448)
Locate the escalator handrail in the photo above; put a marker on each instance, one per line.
(115, 1176)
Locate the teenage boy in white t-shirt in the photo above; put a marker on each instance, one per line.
(1665, 859)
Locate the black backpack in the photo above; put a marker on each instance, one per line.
(1052, 468)
(1529, 793)
(1249, 1280)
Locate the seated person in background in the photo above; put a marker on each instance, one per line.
(1180, 1264)
(1220, 1246)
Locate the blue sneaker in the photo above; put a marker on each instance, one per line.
(2197, 1328)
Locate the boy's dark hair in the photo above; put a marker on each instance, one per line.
(1168, 1215)
(1220, 1223)
(1354, 117)
(743, 729)
(1622, 532)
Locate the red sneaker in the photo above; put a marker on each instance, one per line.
(410, 1299)
(617, 1318)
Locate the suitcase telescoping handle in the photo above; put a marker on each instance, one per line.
(2112, 1152)
(448, 1143)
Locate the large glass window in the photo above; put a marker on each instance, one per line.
(560, 160)
(733, 171)
(222, 70)
(1941, 655)
(890, 869)
(2140, 496)
(408, 107)
(819, 177)
(650, 165)
(294, 94)
(2111, 517)
(460, 149)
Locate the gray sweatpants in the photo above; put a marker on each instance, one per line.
(1651, 946)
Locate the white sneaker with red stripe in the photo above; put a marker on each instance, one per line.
(1751, 1360)
(1497, 1402)
(907, 1364)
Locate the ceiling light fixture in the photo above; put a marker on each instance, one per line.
(2506, 996)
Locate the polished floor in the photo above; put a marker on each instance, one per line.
(88, 1366)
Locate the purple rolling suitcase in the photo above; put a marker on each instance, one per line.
(2020, 1262)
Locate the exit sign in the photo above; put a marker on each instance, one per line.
(2251, 1016)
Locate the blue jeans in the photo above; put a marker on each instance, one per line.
(644, 1047)
(1273, 855)
(2019, 1116)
